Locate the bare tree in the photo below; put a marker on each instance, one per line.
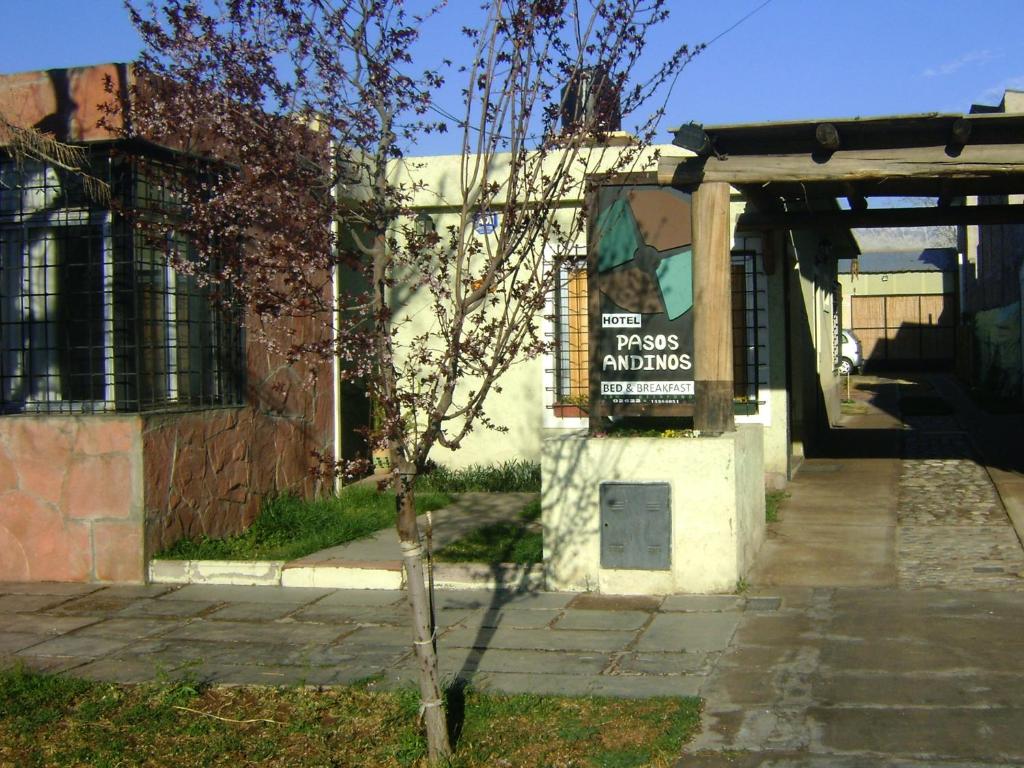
(306, 109)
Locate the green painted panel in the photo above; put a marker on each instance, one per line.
(616, 236)
(675, 276)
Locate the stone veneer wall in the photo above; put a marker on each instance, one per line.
(208, 471)
(71, 498)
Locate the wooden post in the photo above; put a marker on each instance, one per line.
(712, 307)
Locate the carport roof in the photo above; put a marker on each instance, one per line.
(881, 132)
(783, 168)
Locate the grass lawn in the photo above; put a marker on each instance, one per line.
(507, 477)
(288, 527)
(48, 720)
(772, 500)
(515, 541)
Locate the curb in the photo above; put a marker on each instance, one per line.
(384, 575)
(257, 573)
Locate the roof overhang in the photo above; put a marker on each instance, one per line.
(782, 166)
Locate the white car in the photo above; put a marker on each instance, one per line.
(850, 360)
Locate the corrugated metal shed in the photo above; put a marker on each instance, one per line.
(926, 260)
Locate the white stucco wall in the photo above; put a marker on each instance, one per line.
(717, 508)
(520, 408)
(523, 407)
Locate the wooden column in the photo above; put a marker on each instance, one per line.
(712, 307)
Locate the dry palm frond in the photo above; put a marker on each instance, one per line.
(28, 143)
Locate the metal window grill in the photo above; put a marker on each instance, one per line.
(93, 315)
(572, 360)
(749, 330)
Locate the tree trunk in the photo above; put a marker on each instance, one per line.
(432, 706)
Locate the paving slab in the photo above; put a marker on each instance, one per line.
(592, 601)
(685, 663)
(743, 686)
(345, 655)
(43, 624)
(259, 612)
(226, 593)
(51, 665)
(134, 629)
(537, 639)
(544, 601)
(958, 733)
(774, 629)
(47, 588)
(537, 662)
(30, 603)
(702, 603)
(277, 676)
(132, 591)
(10, 642)
(689, 632)
(575, 685)
(100, 604)
(122, 671)
(615, 620)
(267, 632)
(364, 597)
(163, 654)
(966, 688)
(510, 617)
(77, 646)
(371, 638)
(177, 609)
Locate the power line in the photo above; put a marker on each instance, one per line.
(724, 32)
(459, 123)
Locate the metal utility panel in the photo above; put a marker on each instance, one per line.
(636, 526)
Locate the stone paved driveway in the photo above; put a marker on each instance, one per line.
(953, 530)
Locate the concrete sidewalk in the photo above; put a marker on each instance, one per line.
(538, 642)
(883, 627)
(798, 677)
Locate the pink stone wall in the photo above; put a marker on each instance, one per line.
(91, 498)
(65, 102)
(71, 498)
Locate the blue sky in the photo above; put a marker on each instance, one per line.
(792, 59)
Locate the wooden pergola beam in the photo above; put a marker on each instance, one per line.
(884, 217)
(988, 161)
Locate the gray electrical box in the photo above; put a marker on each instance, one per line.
(636, 526)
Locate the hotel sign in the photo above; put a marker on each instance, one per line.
(641, 304)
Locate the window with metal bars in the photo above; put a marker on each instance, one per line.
(94, 315)
(572, 358)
